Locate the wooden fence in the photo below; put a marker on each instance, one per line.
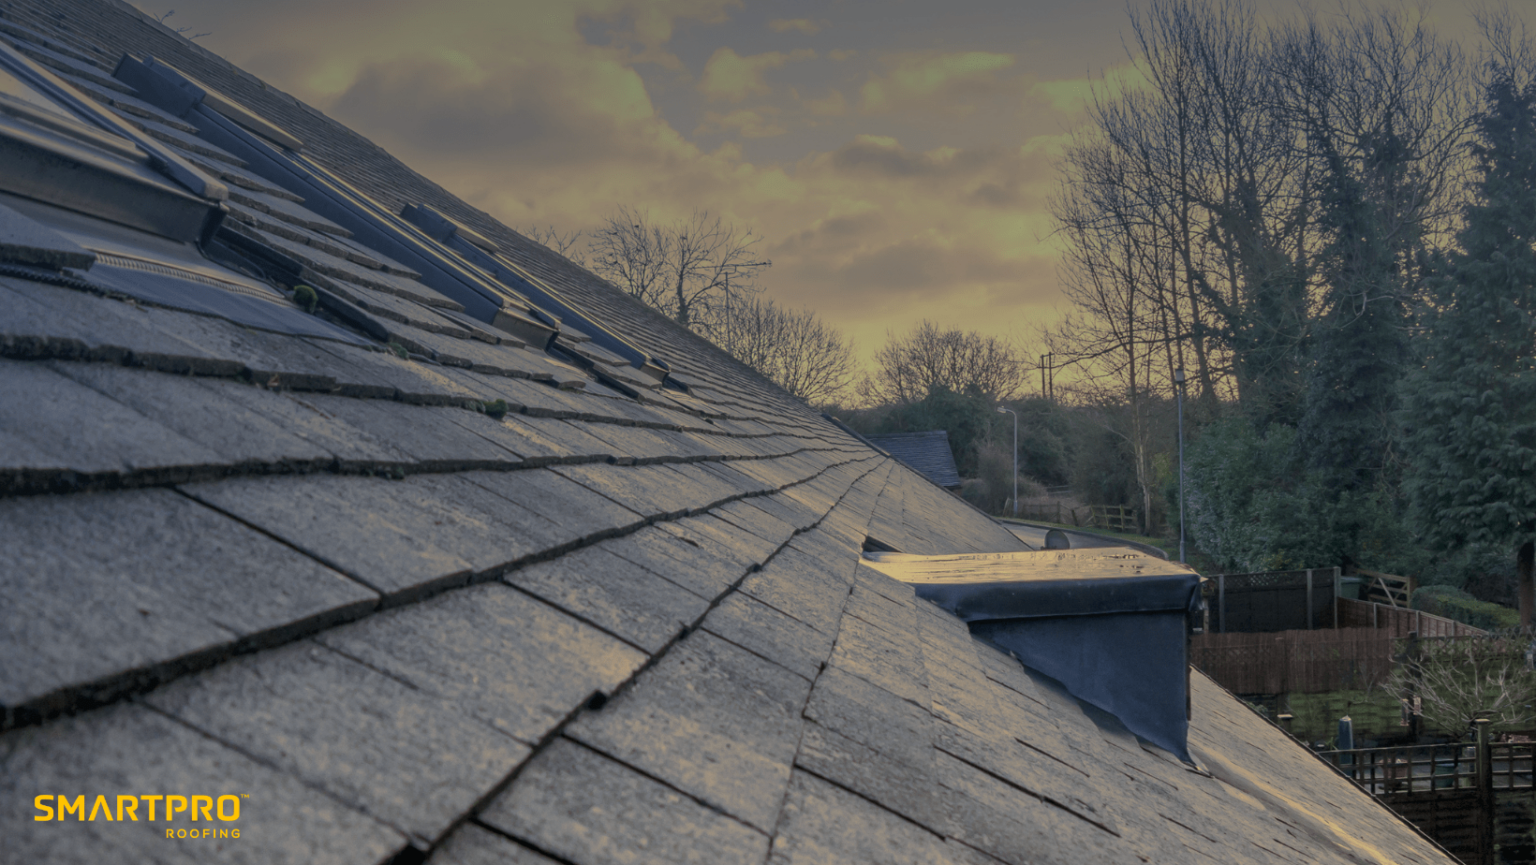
(1398, 622)
(1269, 601)
(1115, 518)
(1353, 656)
(1474, 798)
(1294, 662)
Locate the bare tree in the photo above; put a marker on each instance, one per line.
(793, 348)
(908, 367)
(567, 243)
(1461, 679)
(691, 269)
(1208, 189)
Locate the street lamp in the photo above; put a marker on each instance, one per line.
(1178, 380)
(1001, 410)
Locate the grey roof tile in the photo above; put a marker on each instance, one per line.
(823, 823)
(904, 784)
(651, 490)
(614, 594)
(266, 357)
(709, 531)
(388, 749)
(413, 382)
(571, 511)
(872, 716)
(131, 749)
(45, 321)
(74, 428)
(433, 437)
(108, 591)
(761, 629)
(286, 208)
(875, 643)
(202, 414)
(537, 440)
(472, 845)
(351, 447)
(374, 530)
(700, 571)
(993, 816)
(494, 653)
(587, 808)
(710, 719)
(744, 515)
(801, 587)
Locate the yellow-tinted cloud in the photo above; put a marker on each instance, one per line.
(803, 25)
(840, 54)
(730, 76)
(744, 123)
(834, 104)
(919, 77)
(1072, 95)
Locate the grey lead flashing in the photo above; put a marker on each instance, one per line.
(472, 246)
(165, 161)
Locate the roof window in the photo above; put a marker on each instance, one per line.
(61, 149)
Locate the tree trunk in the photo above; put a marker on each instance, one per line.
(1526, 565)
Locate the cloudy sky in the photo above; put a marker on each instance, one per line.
(895, 158)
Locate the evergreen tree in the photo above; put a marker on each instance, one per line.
(1470, 411)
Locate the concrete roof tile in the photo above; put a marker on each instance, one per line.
(74, 428)
(132, 749)
(110, 591)
(905, 784)
(584, 807)
(494, 653)
(991, 815)
(368, 528)
(761, 629)
(389, 750)
(651, 490)
(570, 512)
(801, 587)
(710, 719)
(614, 594)
(823, 823)
(472, 845)
(435, 437)
(700, 571)
(202, 414)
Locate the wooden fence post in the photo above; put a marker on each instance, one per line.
(1484, 794)
(1221, 599)
(1310, 624)
(1336, 590)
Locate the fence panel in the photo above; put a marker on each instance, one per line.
(1399, 622)
(1270, 601)
(1299, 662)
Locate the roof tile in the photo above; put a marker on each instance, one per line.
(388, 749)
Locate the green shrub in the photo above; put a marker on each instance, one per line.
(1453, 603)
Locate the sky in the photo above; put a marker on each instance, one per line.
(896, 157)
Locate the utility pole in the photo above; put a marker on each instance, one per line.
(1178, 380)
(1001, 410)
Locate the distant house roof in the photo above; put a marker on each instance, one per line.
(928, 452)
(328, 501)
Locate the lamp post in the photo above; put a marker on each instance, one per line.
(1178, 380)
(1001, 410)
